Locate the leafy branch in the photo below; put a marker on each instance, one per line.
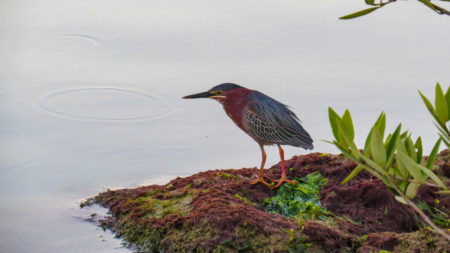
(396, 160)
(428, 3)
(440, 112)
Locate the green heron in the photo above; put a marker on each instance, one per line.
(266, 120)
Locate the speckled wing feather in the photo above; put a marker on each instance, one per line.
(271, 122)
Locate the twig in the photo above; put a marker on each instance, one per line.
(383, 4)
(419, 211)
(441, 10)
(415, 181)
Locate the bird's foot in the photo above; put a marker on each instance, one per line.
(271, 179)
(281, 181)
(260, 180)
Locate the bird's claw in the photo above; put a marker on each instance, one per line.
(260, 180)
(281, 181)
(271, 179)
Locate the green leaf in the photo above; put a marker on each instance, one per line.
(433, 155)
(355, 172)
(447, 98)
(418, 146)
(433, 176)
(441, 105)
(444, 192)
(390, 149)
(400, 144)
(444, 134)
(447, 143)
(400, 170)
(380, 124)
(347, 124)
(346, 153)
(401, 200)
(377, 148)
(334, 122)
(402, 185)
(367, 144)
(371, 2)
(373, 165)
(411, 190)
(404, 135)
(345, 138)
(421, 168)
(388, 139)
(359, 13)
(427, 103)
(410, 165)
(411, 148)
(327, 141)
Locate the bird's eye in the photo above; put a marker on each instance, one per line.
(216, 92)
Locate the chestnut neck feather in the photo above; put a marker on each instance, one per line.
(234, 105)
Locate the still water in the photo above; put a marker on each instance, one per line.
(90, 94)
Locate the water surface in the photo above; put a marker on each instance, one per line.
(90, 94)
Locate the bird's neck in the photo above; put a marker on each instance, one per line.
(235, 103)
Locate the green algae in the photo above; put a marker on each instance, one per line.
(244, 199)
(160, 208)
(205, 237)
(227, 176)
(301, 199)
(422, 240)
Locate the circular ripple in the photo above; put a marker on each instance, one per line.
(70, 42)
(111, 104)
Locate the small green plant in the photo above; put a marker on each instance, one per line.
(396, 160)
(301, 200)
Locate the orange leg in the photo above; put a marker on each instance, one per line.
(261, 171)
(283, 171)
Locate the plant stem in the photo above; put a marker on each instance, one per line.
(422, 214)
(415, 181)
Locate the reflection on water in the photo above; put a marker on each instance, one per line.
(79, 112)
(111, 104)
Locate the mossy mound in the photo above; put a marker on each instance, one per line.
(220, 211)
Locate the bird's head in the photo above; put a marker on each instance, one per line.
(220, 92)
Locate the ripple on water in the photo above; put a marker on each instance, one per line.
(105, 104)
(70, 42)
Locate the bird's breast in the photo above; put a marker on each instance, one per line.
(234, 107)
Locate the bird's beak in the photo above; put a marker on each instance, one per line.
(205, 94)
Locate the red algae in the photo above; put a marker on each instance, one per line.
(220, 210)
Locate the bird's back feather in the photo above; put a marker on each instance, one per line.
(271, 122)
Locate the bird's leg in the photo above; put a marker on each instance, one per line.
(283, 171)
(261, 171)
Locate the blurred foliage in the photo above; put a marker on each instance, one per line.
(301, 200)
(377, 5)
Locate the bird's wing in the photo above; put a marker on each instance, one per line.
(273, 123)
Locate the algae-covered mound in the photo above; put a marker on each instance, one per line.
(220, 211)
